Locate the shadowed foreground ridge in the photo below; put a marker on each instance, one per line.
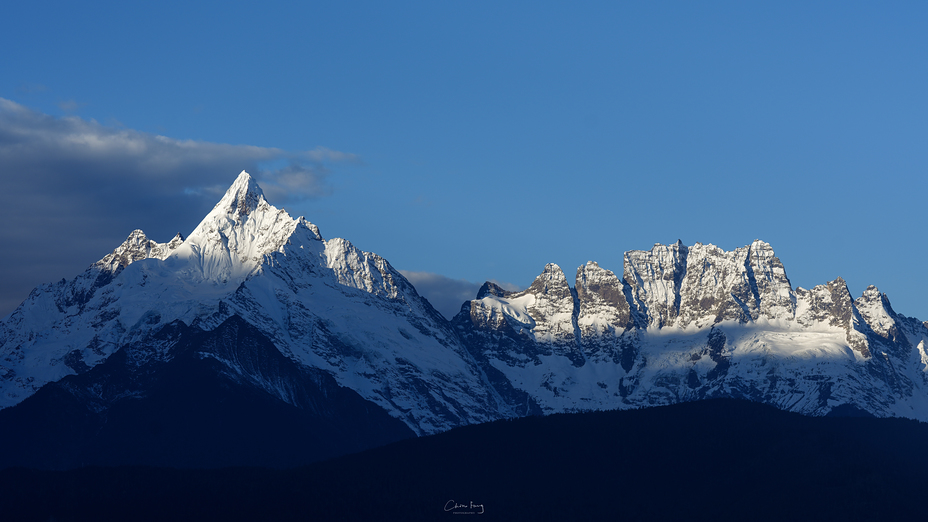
(225, 397)
(708, 460)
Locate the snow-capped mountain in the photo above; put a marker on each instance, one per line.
(258, 304)
(687, 323)
(323, 304)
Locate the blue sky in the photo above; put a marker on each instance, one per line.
(477, 140)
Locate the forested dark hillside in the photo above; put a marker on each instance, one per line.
(707, 460)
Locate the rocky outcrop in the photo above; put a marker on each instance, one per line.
(604, 311)
(655, 278)
(831, 304)
(743, 285)
(136, 248)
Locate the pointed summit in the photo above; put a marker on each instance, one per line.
(242, 228)
(243, 196)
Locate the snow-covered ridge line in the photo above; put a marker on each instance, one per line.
(678, 323)
(694, 287)
(684, 323)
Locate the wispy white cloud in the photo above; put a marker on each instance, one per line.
(70, 105)
(31, 88)
(323, 154)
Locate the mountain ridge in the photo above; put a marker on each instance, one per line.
(681, 323)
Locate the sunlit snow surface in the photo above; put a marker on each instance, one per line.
(791, 368)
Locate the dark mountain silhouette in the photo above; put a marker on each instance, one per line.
(708, 460)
